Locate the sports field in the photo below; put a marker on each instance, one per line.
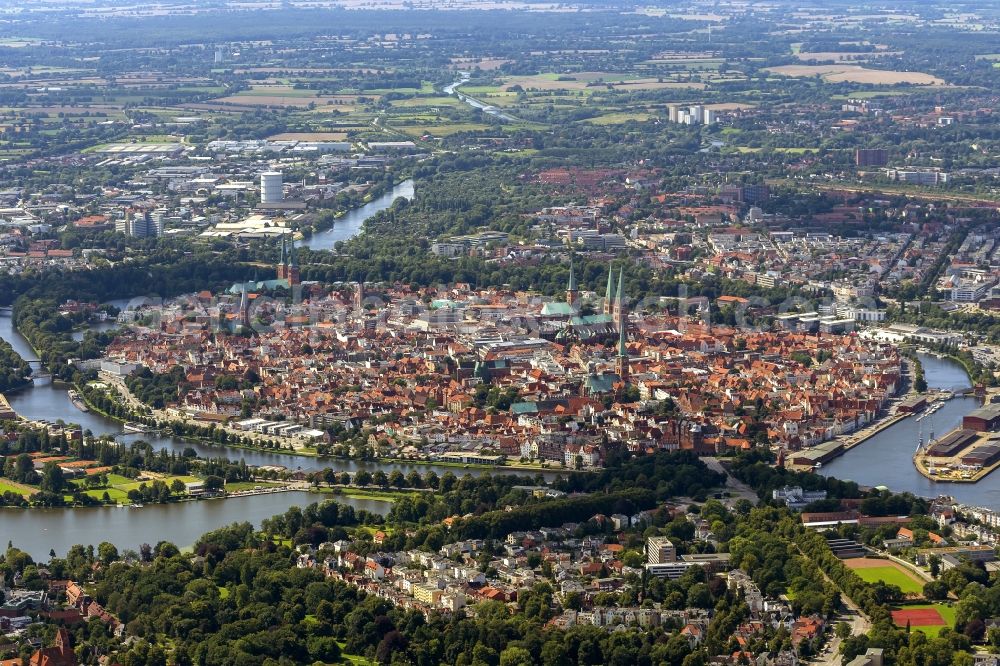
(928, 618)
(872, 570)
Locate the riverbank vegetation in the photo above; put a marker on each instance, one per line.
(15, 372)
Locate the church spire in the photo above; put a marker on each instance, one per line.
(292, 265)
(621, 362)
(571, 290)
(619, 308)
(609, 296)
(245, 307)
(283, 262)
(621, 341)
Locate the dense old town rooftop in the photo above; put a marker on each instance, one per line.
(507, 373)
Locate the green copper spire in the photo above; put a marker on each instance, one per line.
(293, 259)
(572, 277)
(621, 286)
(622, 353)
(609, 296)
(283, 260)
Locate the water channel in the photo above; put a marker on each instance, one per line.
(886, 458)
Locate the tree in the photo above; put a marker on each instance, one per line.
(53, 479)
(936, 589)
(107, 553)
(934, 562)
(392, 642)
(975, 629)
(396, 479)
(699, 596)
(516, 656)
(843, 630)
(214, 483)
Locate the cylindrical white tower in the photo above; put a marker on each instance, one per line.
(270, 187)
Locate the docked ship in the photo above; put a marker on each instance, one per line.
(77, 401)
(136, 427)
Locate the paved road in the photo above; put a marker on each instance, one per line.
(852, 614)
(739, 489)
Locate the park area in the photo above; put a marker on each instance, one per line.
(873, 570)
(927, 618)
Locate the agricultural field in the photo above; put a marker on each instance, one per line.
(289, 97)
(857, 74)
(873, 570)
(429, 102)
(584, 80)
(844, 56)
(484, 64)
(439, 130)
(620, 117)
(926, 618)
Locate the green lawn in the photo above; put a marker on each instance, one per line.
(8, 488)
(117, 496)
(118, 486)
(354, 659)
(891, 576)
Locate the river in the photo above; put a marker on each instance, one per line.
(350, 224)
(886, 458)
(36, 531)
(452, 89)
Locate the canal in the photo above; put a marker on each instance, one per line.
(886, 458)
(37, 531)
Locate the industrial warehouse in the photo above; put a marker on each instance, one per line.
(966, 454)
